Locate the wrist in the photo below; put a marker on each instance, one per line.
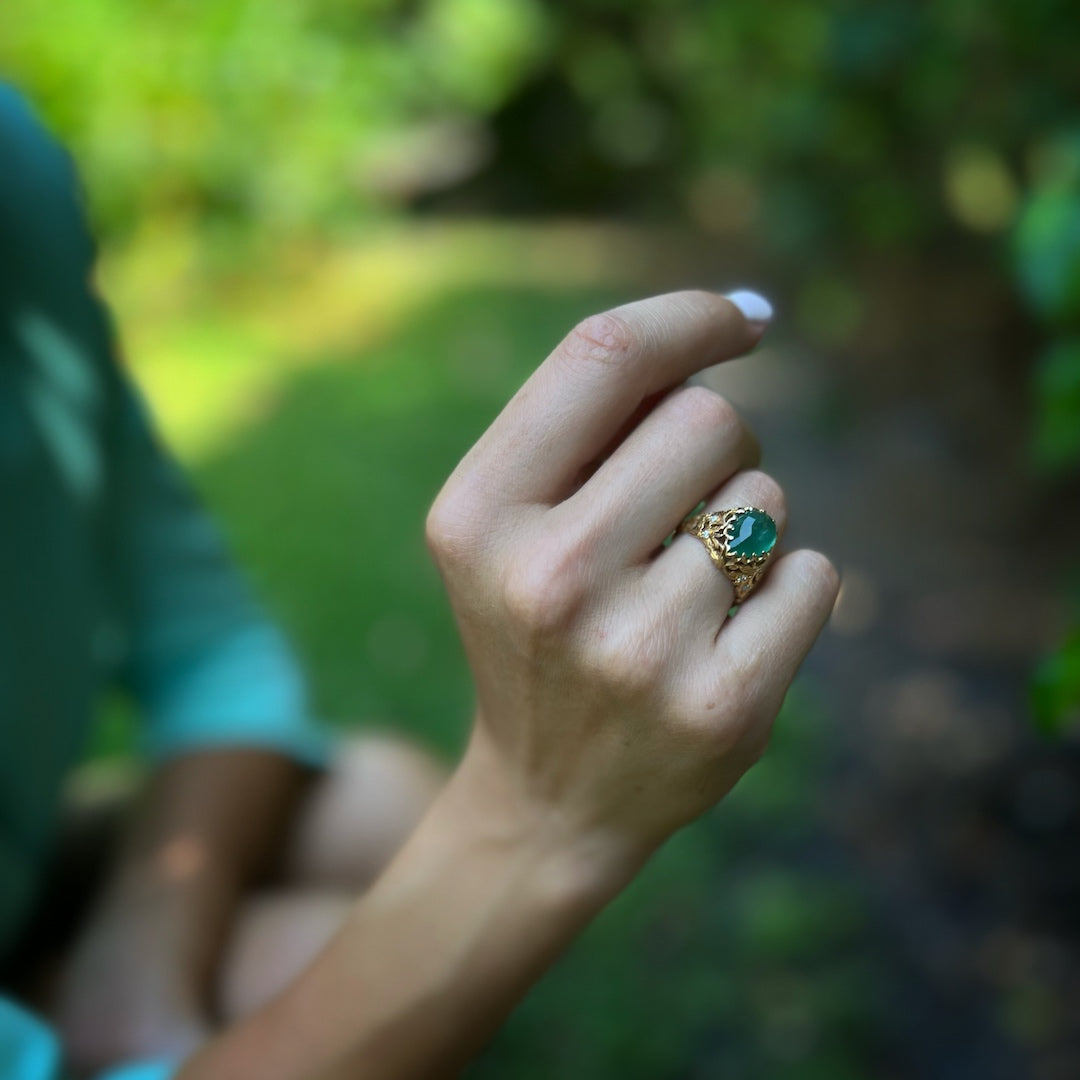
(572, 863)
(483, 896)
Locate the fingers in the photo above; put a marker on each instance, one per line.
(685, 575)
(767, 641)
(689, 445)
(579, 398)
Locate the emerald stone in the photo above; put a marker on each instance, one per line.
(752, 533)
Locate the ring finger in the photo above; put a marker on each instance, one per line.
(685, 575)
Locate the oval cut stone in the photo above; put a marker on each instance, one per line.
(753, 532)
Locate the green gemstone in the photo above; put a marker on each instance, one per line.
(753, 532)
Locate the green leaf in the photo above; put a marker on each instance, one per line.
(1048, 253)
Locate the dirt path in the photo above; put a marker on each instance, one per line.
(903, 458)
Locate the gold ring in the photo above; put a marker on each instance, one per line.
(739, 541)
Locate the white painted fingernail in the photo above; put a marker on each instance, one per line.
(754, 306)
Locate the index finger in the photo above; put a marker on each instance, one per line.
(582, 395)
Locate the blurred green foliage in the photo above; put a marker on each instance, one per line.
(1048, 269)
(873, 124)
(817, 128)
(1055, 689)
(270, 115)
(1048, 238)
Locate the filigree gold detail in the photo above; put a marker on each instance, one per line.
(713, 529)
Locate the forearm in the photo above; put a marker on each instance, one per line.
(476, 905)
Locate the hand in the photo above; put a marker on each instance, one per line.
(616, 701)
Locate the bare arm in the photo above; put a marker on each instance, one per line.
(616, 701)
(476, 905)
(140, 977)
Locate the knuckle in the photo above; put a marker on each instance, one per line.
(701, 299)
(437, 530)
(765, 491)
(706, 410)
(449, 530)
(605, 338)
(723, 740)
(715, 737)
(543, 595)
(742, 736)
(632, 667)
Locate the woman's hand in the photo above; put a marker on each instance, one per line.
(616, 701)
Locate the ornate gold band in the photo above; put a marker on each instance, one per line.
(739, 541)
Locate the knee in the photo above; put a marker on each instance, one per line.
(361, 810)
(275, 937)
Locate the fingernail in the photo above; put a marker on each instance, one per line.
(754, 306)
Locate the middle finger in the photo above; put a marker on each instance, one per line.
(689, 445)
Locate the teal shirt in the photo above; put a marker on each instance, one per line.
(110, 571)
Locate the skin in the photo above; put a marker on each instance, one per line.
(141, 975)
(615, 701)
(192, 933)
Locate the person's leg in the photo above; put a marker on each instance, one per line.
(352, 822)
(358, 814)
(353, 819)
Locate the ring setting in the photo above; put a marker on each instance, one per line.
(740, 541)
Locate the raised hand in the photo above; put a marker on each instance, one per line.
(616, 701)
(615, 695)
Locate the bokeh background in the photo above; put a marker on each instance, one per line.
(337, 234)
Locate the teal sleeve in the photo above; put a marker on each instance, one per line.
(182, 630)
(29, 1050)
(142, 1070)
(205, 663)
